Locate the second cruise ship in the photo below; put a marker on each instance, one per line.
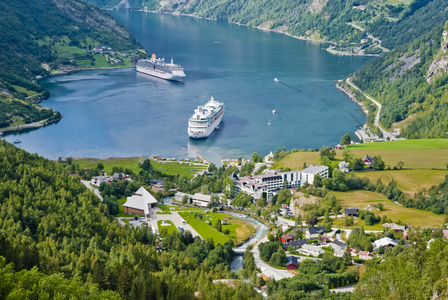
(205, 119)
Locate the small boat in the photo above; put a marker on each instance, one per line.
(17, 141)
(269, 122)
(275, 79)
(274, 111)
(216, 128)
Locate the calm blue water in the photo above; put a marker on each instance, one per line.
(122, 113)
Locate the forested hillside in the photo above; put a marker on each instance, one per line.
(59, 231)
(413, 97)
(40, 36)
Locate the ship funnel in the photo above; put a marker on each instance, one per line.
(153, 56)
(171, 60)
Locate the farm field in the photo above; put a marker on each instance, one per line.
(415, 217)
(416, 154)
(409, 181)
(187, 169)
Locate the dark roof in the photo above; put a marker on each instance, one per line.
(351, 211)
(156, 181)
(314, 230)
(234, 176)
(369, 158)
(338, 243)
(298, 228)
(291, 260)
(299, 243)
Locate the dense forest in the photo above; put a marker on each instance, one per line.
(399, 81)
(54, 231)
(34, 33)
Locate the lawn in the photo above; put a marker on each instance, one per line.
(130, 163)
(169, 229)
(204, 230)
(101, 62)
(239, 229)
(409, 181)
(168, 208)
(415, 154)
(187, 168)
(415, 217)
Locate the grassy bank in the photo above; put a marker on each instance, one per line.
(130, 163)
(393, 211)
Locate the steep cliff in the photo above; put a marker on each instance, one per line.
(439, 66)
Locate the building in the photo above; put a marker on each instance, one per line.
(385, 242)
(286, 238)
(313, 232)
(338, 245)
(351, 211)
(344, 167)
(291, 262)
(97, 180)
(365, 255)
(142, 202)
(398, 228)
(368, 160)
(201, 199)
(339, 147)
(179, 196)
(295, 244)
(307, 175)
(311, 250)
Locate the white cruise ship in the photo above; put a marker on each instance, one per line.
(205, 119)
(157, 67)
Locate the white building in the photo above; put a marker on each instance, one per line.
(308, 249)
(179, 196)
(201, 199)
(308, 174)
(344, 167)
(97, 180)
(142, 202)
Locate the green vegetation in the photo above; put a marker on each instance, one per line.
(181, 167)
(414, 270)
(165, 229)
(49, 220)
(41, 37)
(130, 163)
(393, 211)
(205, 231)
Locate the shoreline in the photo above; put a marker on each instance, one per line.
(34, 125)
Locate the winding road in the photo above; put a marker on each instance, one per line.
(377, 117)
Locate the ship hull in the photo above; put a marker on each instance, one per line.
(159, 74)
(206, 133)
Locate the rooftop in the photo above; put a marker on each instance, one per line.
(311, 169)
(141, 200)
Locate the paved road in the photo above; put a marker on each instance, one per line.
(265, 268)
(377, 118)
(349, 288)
(173, 217)
(370, 36)
(95, 190)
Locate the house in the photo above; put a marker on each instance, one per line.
(339, 147)
(291, 262)
(116, 176)
(296, 244)
(286, 238)
(201, 199)
(313, 232)
(406, 234)
(311, 250)
(365, 255)
(368, 160)
(445, 233)
(142, 202)
(338, 253)
(351, 211)
(398, 228)
(157, 183)
(385, 242)
(344, 167)
(97, 180)
(338, 245)
(353, 252)
(324, 239)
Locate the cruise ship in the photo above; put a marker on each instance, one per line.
(157, 67)
(205, 119)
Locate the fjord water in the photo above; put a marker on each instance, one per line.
(121, 113)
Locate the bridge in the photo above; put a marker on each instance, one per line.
(239, 251)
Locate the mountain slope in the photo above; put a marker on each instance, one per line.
(411, 83)
(39, 36)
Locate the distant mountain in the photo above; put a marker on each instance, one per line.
(41, 36)
(411, 82)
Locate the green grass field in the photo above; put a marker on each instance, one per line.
(416, 154)
(393, 211)
(169, 229)
(204, 230)
(124, 162)
(409, 181)
(173, 168)
(239, 229)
